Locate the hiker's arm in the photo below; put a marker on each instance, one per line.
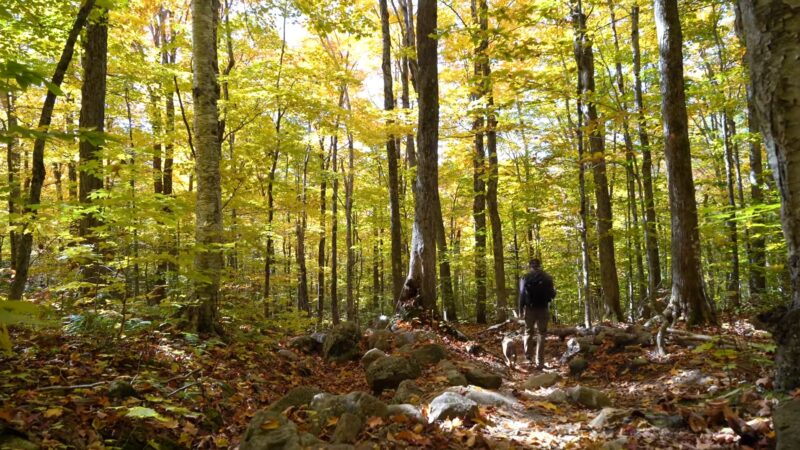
(520, 295)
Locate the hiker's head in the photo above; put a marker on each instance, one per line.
(535, 264)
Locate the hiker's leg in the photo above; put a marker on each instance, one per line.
(530, 325)
(541, 331)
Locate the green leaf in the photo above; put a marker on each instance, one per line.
(141, 412)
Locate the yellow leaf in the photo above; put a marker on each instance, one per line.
(53, 412)
(270, 425)
(221, 441)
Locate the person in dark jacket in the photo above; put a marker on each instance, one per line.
(536, 291)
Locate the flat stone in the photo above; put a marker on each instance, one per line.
(450, 405)
(429, 354)
(557, 396)
(591, 398)
(605, 416)
(486, 397)
(405, 409)
(541, 380)
(483, 378)
(299, 396)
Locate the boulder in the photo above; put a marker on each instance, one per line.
(287, 355)
(591, 398)
(341, 344)
(371, 356)
(429, 354)
(407, 392)
(388, 372)
(270, 430)
(785, 420)
(299, 396)
(328, 406)
(557, 396)
(577, 366)
(347, 428)
(451, 373)
(605, 416)
(486, 397)
(450, 405)
(541, 380)
(121, 390)
(402, 338)
(380, 339)
(305, 344)
(483, 378)
(404, 409)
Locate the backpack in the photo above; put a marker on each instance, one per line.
(538, 291)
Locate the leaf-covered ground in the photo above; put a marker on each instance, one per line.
(70, 391)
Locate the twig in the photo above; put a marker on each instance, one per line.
(183, 115)
(182, 388)
(182, 377)
(76, 386)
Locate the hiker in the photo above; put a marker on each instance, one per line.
(536, 290)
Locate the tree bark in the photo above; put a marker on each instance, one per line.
(772, 31)
(208, 207)
(321, 249)
(649, 216)
(392, 157)
(608, 268)
(301, 227)
(479, 168)
(335, 228)
(421, 279)
(92, 117)
(688, 294)
(729, 130)
(25, 244)
(12, 159)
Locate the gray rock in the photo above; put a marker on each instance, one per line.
(429, 354)
(301, 395)
(577, 366)
(328, 406)
(404, 409)
(309, 440)
(347, 428)
(785, 419)
(407, 392)
(341, 344)
(288, 355)
(605, 416)
(121, 389)
(451, 405)
(557, 396)
(483, 378)
(405, 337)
(371, 356)
(588, 397)
(486, 398)
(541, 380)
(380, 339)
(455, 378)
(270, 430)
(388, 372)
(305, 344)
(445, 365)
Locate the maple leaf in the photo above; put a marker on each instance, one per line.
(53, 412)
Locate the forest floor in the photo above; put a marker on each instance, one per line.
(70, 391)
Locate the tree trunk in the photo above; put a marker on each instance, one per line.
(688, 295)
(392, 157)
(92, 117)
(321, 250)
(208, 214)
(352, 312)
(729, 131)
(25, 244)
(335, 228)
(772, 31)
(608, 269)
(650, 225)
(421, 279)
(301, 226)
(479, 168)
(12, 159)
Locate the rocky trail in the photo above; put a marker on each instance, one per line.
(398, 385)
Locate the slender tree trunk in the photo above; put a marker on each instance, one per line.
(688, 293)
(608, 268)
(392, 157)
(208, 215)
(479, 169)
(321, 250)
(12, 159)
(25, 244)
(729, 130)
(352, 312)
(650, 225)
(421, 279)
(301, 226)
(772, 31)
(335, 228)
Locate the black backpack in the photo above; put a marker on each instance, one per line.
(538, 290)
